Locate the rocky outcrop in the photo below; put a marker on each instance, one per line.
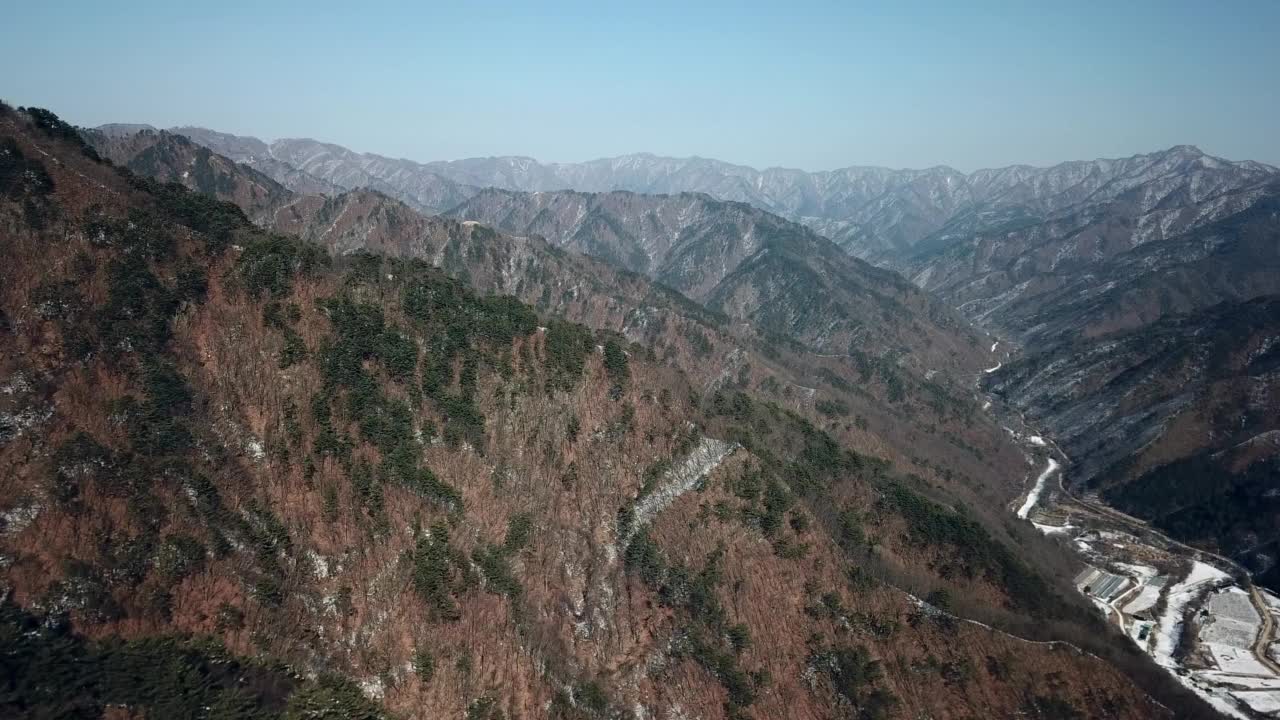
(695, 467)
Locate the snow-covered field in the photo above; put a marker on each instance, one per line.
(1142, 572)
(1236, 660)
(1248, 683)
(1231, 619)
(1220, 667)
(1228, 628)
(1228, 625)
(1054, 529)
(1152, 583)
(1265, 702)
(1144, 600)
(1169, 625)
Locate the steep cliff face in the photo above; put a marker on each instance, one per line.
(440, 502)
(1190, 406)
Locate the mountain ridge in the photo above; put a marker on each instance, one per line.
(878, 214)
(419, 494)
(702, 241)
(1190, 149)
(591, 291)
(699, 246)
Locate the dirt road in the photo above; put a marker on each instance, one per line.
(1266, 633)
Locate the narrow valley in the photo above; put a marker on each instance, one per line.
(1197, 614)
(640, 361)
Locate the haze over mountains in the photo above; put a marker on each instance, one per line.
(734, 258)
(1054, 260)
(353, 397)
(874, 213)
(412, 495)
(913, 359)
(740, 260)
(1042, 256)
(926, 367)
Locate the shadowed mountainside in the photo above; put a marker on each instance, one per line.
(1191, 405)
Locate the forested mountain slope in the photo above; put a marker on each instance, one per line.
(438, 502)
(172, 158)
(1146, 359)
(876, 394)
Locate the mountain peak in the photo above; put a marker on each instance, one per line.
(124, 129)
(1190, 151)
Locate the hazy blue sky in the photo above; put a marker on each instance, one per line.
(813, 85)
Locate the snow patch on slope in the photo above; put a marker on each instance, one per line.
(1034, 496)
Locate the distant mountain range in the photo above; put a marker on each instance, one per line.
(308, 166)
(1085, 268)
(874, 213)
(350, 460)
(1059, 254)
(749, 264)
(635, 436)
(762, 285)
(742, 261)
(1087, 246)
